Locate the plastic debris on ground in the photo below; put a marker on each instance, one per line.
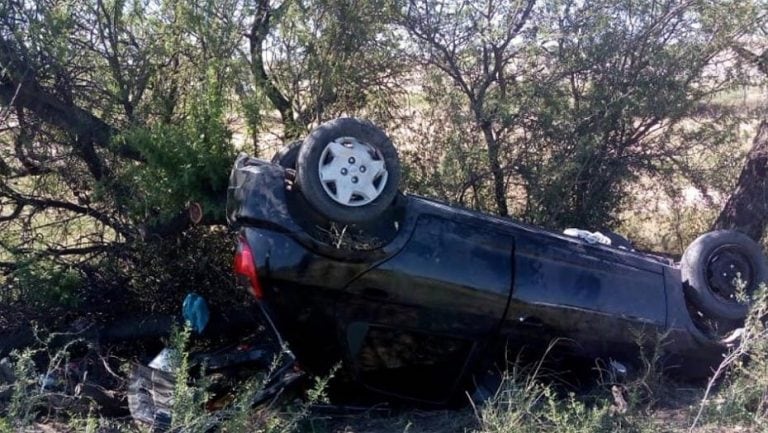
(164, 361)
(151, 387)
(150, 396)
(195, 311)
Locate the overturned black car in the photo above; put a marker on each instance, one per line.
(414, 295)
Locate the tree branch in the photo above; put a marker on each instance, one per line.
(19, 88)
(13, 215)
(45, 203)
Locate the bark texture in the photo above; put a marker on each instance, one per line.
(747, 207)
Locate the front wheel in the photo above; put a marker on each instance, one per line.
(722, 270)
(348, 170)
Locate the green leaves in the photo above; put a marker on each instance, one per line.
(45, 284)
(186, 161)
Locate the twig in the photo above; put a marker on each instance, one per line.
(341, 237)
(730, 359)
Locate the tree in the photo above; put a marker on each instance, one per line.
(478, 46)
(117, 114)
(629, 74)
(747, 207)
(113, 119)
(316, 60)
(83, 82)
(574, 100)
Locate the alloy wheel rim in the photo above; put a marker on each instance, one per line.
(353, 173)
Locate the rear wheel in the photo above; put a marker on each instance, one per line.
(348, 170)
(287, 156)
(722, 270)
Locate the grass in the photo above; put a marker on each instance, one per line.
(737, 394)
(527, 401)
(44, 396)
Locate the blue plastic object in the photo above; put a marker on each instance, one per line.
(195, 312)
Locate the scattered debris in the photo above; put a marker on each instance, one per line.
(344, 237)
(7, 377)
(589, 237)
(619, 405)
(195, 312)
(164, 361)
(617, 368)
(150, 396)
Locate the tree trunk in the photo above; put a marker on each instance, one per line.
(499, 188)
(747, 207)
(259, 33)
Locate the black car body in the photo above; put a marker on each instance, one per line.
(416, 311)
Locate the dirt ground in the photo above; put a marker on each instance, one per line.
(436, 421)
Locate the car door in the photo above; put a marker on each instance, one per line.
(423, 312)
(598, 297)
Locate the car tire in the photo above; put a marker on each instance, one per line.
(709, 268)
(348, 170)
(286, 157)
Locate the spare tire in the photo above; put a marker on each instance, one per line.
(348, 170)
(715, 265)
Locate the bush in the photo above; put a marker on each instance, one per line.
(158, 274)
(742, 377)
(528, 401)
(186, 161)
(43, 283)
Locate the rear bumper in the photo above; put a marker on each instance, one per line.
(257, 196)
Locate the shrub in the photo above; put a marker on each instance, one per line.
(43, 283)
(186, 161)
(528, 401)
(742, 377)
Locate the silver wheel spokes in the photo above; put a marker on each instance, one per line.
(352, 172)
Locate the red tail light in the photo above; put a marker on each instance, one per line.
(245, 268)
